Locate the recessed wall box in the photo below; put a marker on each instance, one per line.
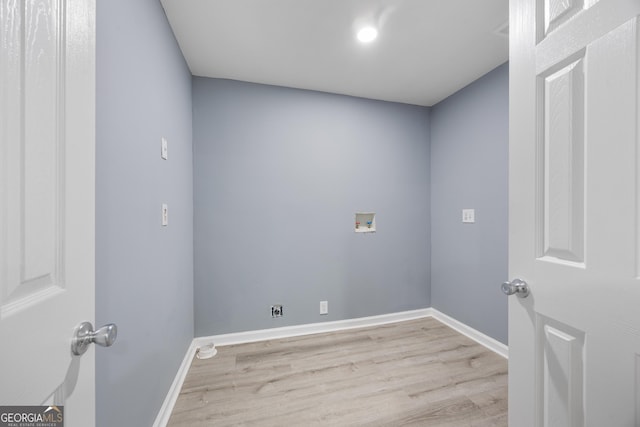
(365, 222)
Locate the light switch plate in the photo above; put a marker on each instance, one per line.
(165, 214)
(468, 216)
(164, 148)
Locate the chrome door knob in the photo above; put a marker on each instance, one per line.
(84, 335)
(516, 286)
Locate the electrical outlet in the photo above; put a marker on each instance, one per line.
(324, 307)
(276, 310)
(468, 216)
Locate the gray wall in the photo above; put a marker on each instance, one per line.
(469, 165)
(144, 273)
(278, 176)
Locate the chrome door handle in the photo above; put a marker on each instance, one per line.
(83, 335)
(516, 286)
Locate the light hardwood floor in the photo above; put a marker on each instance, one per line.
(412, 373)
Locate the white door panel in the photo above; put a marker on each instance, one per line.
(574, 213)
(47, 203)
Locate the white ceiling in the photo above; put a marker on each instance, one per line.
(426, 49)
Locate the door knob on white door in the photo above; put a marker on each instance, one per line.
(516, 286)
(84, 335)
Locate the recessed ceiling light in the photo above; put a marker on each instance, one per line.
(367, 34)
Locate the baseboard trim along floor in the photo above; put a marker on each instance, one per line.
(162, 419)
(314, 328)
(482, 339)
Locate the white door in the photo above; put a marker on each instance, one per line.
(574, 213)
(47, 143)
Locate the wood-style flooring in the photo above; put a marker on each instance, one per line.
(412, 373)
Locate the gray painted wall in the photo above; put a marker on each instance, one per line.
(469, 169)
(278, 176)
(144, 273)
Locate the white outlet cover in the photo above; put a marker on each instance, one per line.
(324, 307)
(468, 216)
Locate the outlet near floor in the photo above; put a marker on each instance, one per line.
(324, 307)
(276, 310)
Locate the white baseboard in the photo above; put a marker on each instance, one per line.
(311, 328)
(174, 391)
(314, 328)
(479, 337)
